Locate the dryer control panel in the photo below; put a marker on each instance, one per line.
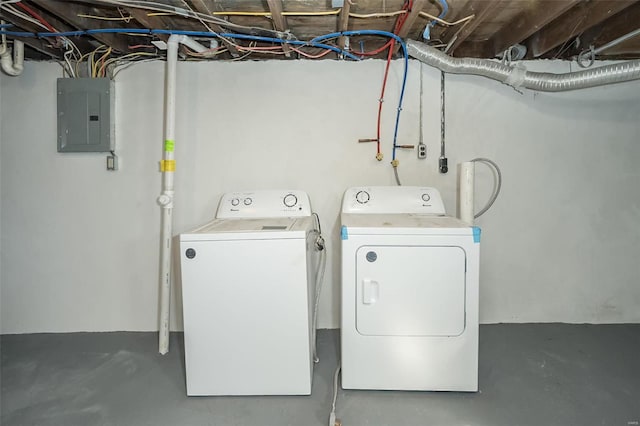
(264, 203)
(393, 200)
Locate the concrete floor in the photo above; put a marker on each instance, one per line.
(543, 374)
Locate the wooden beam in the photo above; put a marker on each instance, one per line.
(416, 8)
(412, 16)
(41, 46)
(201, 6)
(82, 44)
(618, 25)
(582, 17)
(482, 11)
(151, 22)
(279, 21)
(343, 22)
(529, 21)
(70, 15)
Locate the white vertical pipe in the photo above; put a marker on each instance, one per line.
(467, 171)
(166, 198)
(12, 66)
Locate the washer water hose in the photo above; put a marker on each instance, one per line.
(322, 265)
(395, 173)
(518, 76)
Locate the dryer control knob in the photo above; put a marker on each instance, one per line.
(363, 197)
(426, 197)
(290, 200)
(248, 201)
(235, 202)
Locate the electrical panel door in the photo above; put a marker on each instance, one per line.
(85, 115)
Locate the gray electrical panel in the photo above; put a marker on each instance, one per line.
(85, 115)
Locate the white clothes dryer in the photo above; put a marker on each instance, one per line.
(247, 293)
(409, 292)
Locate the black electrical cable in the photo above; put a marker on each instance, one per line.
(442, 162)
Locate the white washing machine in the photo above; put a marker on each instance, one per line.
(247, 293)
(409, 292)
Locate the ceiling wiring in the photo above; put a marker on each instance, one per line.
(378, 15)
(35, 15)
(178, 11)
(309, 55)
(94, 69)
(446, 23)
(106, 18)
(121, 67)
(269, 14)
(197, 16)
(61, 42)
(102, 71)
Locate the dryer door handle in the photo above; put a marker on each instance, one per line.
(370, 291)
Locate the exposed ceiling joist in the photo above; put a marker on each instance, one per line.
(28, 26)
(201, 7)
(410, 20)
(535, 16)
(279, 21)
(482, 11)
(343, 22)
(41, 46)
(148, 21)
(578, 19)
(70, 15)
(476, 28)
(618, 25)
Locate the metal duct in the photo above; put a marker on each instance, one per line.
(518, 76)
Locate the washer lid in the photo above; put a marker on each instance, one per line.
(260, 228)
(403, 224)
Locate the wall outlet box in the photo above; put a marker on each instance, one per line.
(422, 151)
(85, 115)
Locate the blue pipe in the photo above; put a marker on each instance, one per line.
(427, 30)
(189, 33)
(404, 77)
(18, 33)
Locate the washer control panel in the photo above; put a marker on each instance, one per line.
(264, 203)
(393, 200)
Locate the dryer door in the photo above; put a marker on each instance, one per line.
(410, 290)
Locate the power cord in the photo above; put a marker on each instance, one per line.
(333, 421)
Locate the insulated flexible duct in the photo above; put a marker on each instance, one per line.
(520, 77)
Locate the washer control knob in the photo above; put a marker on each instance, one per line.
(290, 200)
(363, 197)
(235, 201)
(426, 197)
(248, 201)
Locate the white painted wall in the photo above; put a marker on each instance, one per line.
(79, 245)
